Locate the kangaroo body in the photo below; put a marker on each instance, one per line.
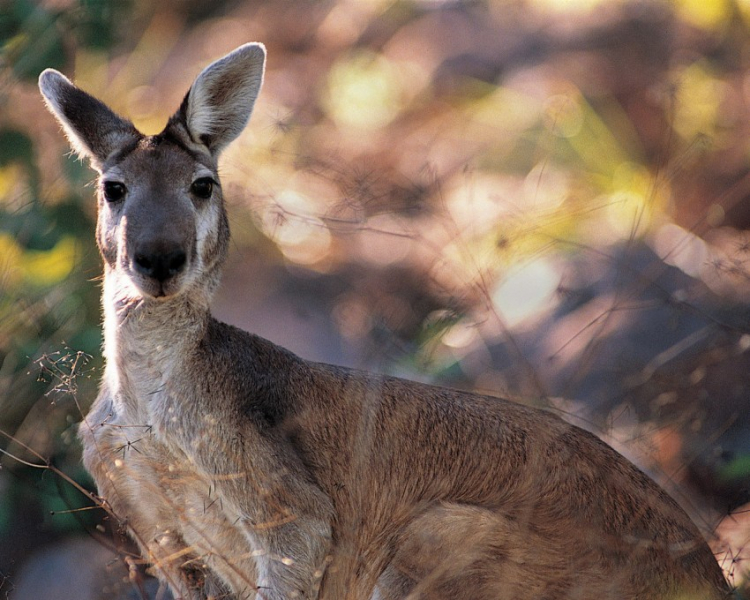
(243, 471)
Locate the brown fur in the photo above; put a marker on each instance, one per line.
(241, 469)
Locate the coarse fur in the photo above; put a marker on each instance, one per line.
(243, 471)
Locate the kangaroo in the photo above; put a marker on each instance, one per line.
(243, 471)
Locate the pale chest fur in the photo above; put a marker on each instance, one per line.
(147, 348)
(137, 442)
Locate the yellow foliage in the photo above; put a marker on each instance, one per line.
(363, 92)
(568, 5)
(505, 110)
(698, 100)
(706, 14)
(10, 258)
(593, 141)
(11, 175)
(48, 267)
(635, 199)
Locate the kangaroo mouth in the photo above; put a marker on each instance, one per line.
(157, 289)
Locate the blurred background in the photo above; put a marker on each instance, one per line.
(541, 199)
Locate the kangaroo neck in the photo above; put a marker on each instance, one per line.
(147, 339)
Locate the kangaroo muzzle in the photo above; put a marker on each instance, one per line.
(160, 265)
(160, 253)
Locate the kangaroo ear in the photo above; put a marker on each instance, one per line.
(94, 131)
(218, 105)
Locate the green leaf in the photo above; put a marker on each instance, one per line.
(738, 468)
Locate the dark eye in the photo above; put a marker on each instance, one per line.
(202, 188)
(114, 191)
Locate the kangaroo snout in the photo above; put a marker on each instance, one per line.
(160, 265)
(158, 242)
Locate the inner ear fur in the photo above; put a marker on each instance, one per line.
(219, 103)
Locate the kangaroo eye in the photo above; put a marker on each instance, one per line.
(114, 191)
(202, 188)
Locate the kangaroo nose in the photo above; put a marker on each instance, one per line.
(160, 265)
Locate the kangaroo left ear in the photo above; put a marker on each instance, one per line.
(94, 131)
(218, 105)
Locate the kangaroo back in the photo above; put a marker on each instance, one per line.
(243, 471)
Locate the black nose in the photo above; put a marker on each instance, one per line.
(160, 265)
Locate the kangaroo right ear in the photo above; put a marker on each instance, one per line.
(93, 130)
(218, 105)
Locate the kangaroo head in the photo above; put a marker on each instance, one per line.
(162, 227)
